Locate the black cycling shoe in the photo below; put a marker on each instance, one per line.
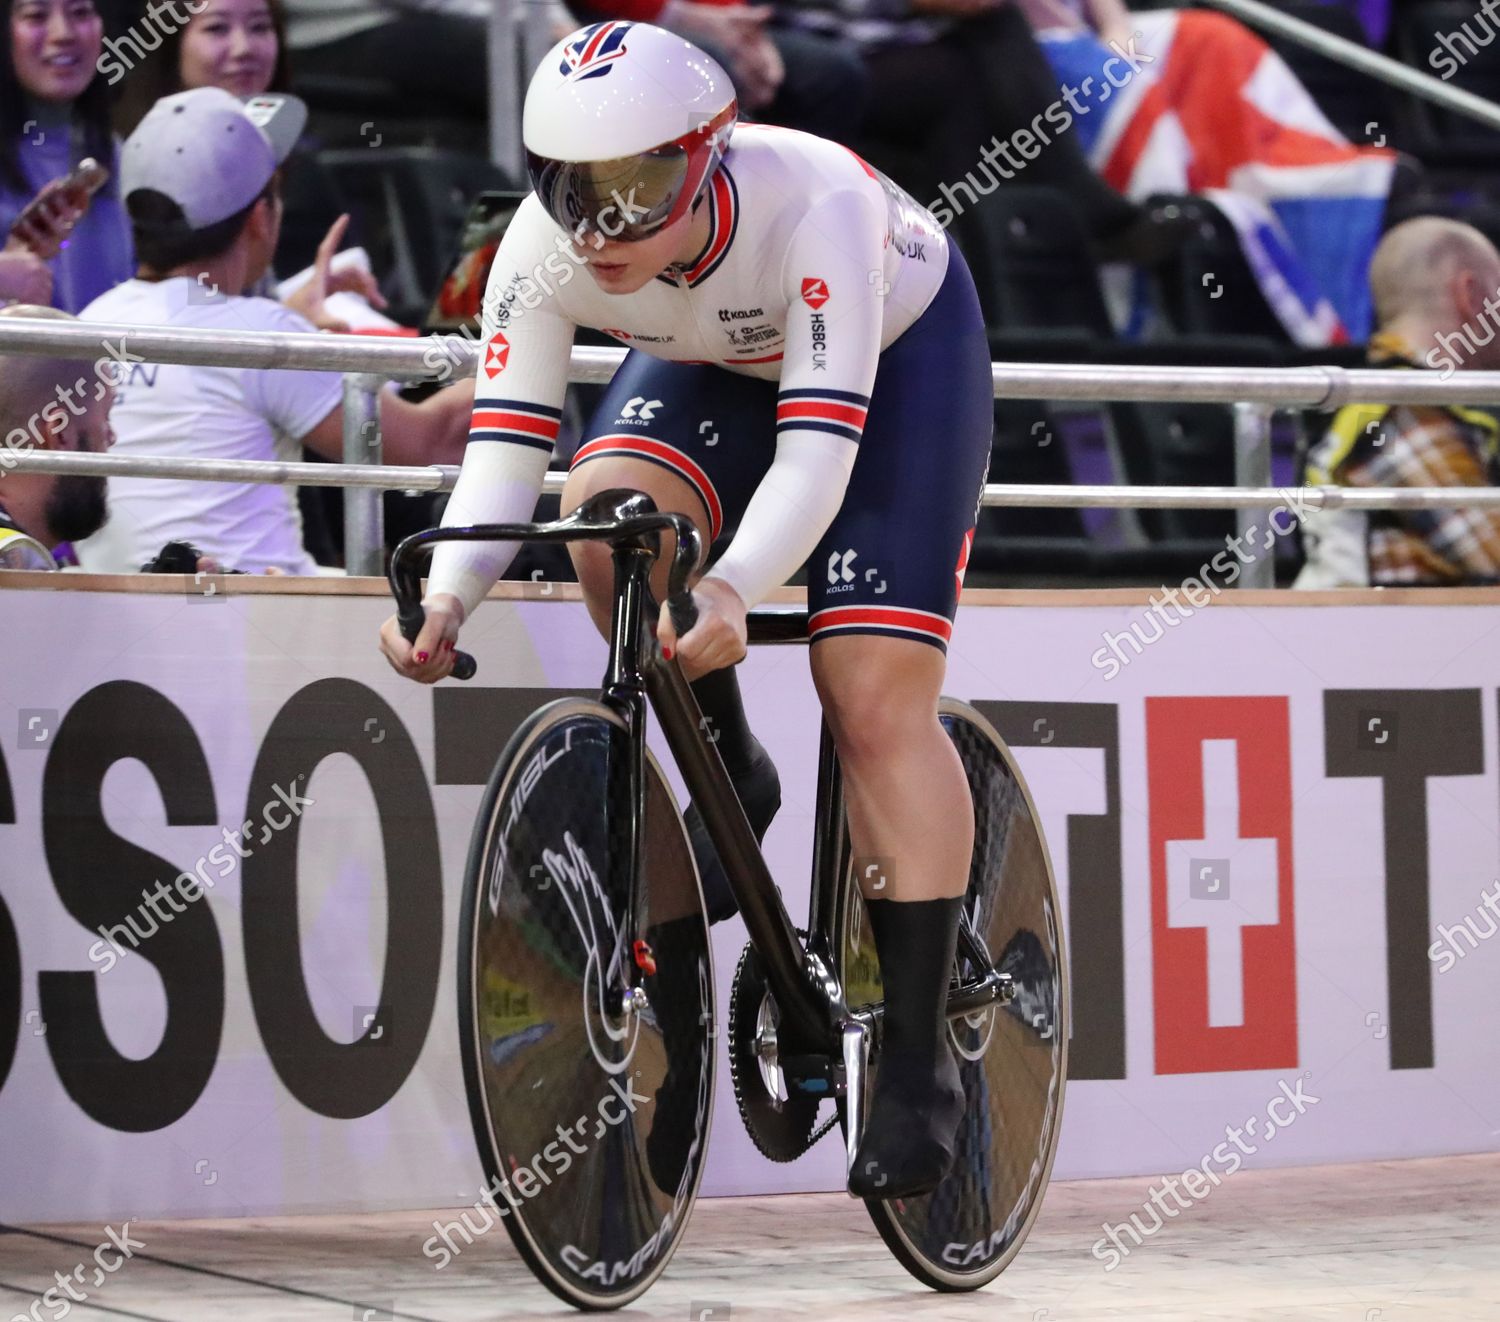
(910, 1136)
(759, 788)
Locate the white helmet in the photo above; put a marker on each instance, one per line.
(624, 124)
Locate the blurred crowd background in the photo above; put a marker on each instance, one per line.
(1139, 186)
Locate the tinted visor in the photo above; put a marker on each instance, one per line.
(625, 199)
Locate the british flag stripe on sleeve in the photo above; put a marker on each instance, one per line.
(515, 420)
(839, 412)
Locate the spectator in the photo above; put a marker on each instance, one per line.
(958, 79)
(24, 277)
(1437, 300)
(200, 178)
(53, 114)
(48, 404)
(240, 46)
(1190, 101)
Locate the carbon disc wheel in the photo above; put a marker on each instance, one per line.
(1012, 1057)
(590, 1107)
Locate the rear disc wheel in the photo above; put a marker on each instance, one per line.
(1012, 1057)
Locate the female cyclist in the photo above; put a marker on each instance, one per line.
(809, 381)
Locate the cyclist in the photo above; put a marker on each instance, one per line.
(809, 381)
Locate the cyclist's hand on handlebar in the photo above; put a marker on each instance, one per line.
(430, 658)
(717, 640)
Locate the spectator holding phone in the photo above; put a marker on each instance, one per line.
(54, 115)
(201, 181)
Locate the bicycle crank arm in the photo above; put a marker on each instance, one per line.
(855, 1041)
(995, 988)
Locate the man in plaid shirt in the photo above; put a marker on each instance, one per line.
(1436, 285)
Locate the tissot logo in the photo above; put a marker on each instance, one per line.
(740, 314)
(1222, 917)
(814, 292)
(496, 356)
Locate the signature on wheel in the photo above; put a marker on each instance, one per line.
(604, 947)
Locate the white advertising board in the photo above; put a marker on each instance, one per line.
(1277, 830)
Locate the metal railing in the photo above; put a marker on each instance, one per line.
(1351, 53)
(368, 363)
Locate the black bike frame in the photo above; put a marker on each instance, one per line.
(808, 999)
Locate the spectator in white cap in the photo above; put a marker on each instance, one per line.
(201, 181)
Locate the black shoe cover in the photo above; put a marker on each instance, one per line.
(759, 789)
(676, 1000)
(909, 1138)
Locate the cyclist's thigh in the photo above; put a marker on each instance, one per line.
(696, 438)
(891, 565)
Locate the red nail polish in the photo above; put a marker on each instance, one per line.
(667, 653)
(421, 658)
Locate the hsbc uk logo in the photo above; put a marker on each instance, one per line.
(815, 294)
(638, 409)
(496, 356)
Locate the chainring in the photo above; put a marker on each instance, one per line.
(781, 1127)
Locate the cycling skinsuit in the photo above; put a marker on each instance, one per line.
(826, 318)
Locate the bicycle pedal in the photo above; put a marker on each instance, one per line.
(819, 1076)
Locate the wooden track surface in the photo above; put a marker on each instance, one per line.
(1378, 1242)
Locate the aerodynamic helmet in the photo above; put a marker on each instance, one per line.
(624, 124)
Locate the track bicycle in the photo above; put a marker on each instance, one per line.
(585, 978)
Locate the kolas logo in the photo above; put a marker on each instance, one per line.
(496, 356)
(814, 292)
(593, 53)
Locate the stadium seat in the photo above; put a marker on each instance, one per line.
(1363, 109)
(1208, 288)
(1040, 275)
(1165, 444)
(1443, 139)
(412, 202)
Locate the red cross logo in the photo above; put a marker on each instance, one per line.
(814, 292)
(496, 356)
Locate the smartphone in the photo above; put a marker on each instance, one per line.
(80, 186)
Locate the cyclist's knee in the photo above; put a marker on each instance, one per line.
(669, 492)
(592, 565)
(876, 698)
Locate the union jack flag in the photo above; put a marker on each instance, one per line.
(597, 47)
